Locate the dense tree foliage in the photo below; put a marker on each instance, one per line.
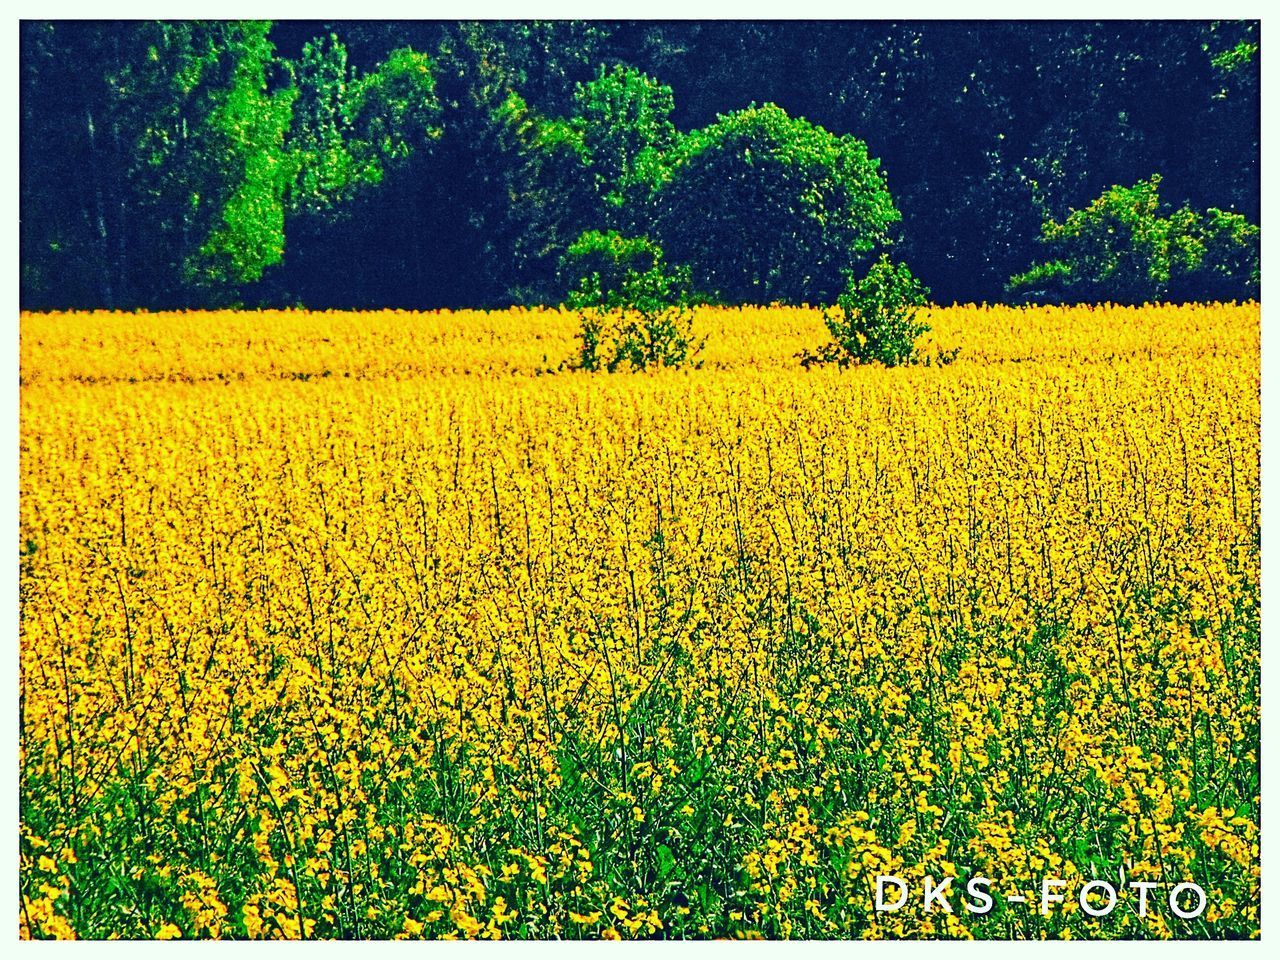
(1121, 248)
(625, 120)
(765, 207)
(153, 162)
(426, 164)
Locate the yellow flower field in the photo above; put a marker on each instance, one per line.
(375, 625)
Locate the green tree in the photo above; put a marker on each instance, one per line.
(210, 169)
(983, 129)
(765, 207)
(358, 143)
(393, 112)
(1223, 262)
(319, 140)
(1123, 248)
(625, 120)
(874, 320)
(551, 198)
(459, 210)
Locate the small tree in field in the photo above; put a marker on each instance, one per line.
(634, 309)
(874, 320)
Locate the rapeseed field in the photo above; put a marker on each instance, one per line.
(386, 625)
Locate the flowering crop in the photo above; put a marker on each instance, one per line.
(368, 625)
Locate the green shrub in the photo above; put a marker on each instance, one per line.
(634, 310)
(874, 320)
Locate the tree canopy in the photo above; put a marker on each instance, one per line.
(766, 207)
(206, 163)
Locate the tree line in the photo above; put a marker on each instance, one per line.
(446, 164)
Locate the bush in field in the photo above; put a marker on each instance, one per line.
(1121, 248)
(634, 309)
(874, 320)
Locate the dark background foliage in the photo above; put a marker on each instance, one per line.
(431, 164)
